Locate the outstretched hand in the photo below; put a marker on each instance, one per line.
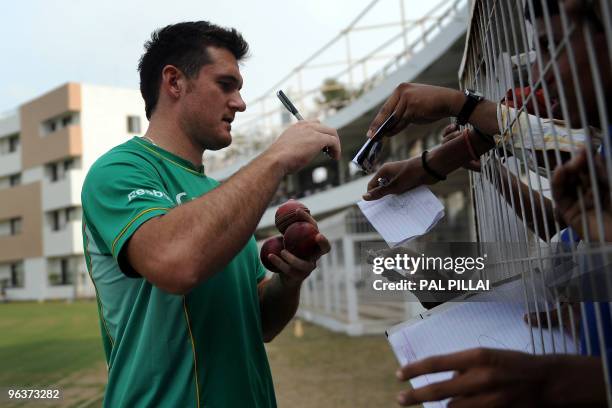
(503, 378)
(417, 103)
(401, 175)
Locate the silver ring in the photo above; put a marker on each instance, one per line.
(382, 181)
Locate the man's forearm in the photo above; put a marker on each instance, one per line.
(484, 116)
(453, 154)
(199, 238)
(520, 189)
(278, 303)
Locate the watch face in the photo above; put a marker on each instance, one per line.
(472, 93)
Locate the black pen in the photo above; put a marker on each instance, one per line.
(291, 108)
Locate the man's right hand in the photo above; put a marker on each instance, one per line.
(301, 142)
(417, 103)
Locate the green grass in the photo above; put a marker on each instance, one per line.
(43, 343)
(59, 344)
(326, 369)
(55, 345)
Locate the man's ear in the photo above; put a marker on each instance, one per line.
(173, 83)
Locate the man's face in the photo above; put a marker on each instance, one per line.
(212, 100)
(564, 83)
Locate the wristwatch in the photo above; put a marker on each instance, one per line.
(471, 100)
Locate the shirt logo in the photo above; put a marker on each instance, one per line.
(144, 192)
(179, 199)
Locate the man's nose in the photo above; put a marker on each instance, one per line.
(238, 103)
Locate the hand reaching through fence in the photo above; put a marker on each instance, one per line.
(565, 320)
(452, 132)
(572, 179)
(502, 378)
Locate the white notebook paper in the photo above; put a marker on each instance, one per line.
(401, 217)
(456, 327)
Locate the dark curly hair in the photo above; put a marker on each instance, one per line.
(183, 45)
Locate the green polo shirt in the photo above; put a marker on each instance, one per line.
(204, 349)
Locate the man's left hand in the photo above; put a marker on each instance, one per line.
(293, 269)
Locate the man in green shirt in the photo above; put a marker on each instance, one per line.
(184, 305)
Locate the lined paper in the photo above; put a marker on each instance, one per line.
(401, 217)
(462, 326)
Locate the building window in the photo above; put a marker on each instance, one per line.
(53, 171)
(68, 164)
(15, 179)
(17, 275)
(55, 221)
(10, 227)
(13, 143)
(62, 271)
(133, 124)
(9, 144)
(10, 181)
(59, 219)
(59, 122)
(16, 226)
(58, 170)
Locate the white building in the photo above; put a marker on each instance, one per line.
(46, 149)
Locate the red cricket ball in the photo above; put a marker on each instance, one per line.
(286, 214)
(300, 239)
(271, 246)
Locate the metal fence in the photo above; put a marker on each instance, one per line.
(547, 64)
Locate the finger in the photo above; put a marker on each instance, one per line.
(473, 165)
(324, 248)
(474, 381)
(379, 192)
(300, 265)
(280, 264)
(532, 318)
(324, 245)
(384, 172)
(333, 145)
(450, 129)
(488, 399)
(449, 362)
(301, 215)
(450, 136)
(600, 168)
(578, 163)
(401, 118)
(321, 128)
(384, 112)
(560, 182)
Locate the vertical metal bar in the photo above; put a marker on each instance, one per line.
(607, 23)
(403, 23)
(349, 61)
(351, 293)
